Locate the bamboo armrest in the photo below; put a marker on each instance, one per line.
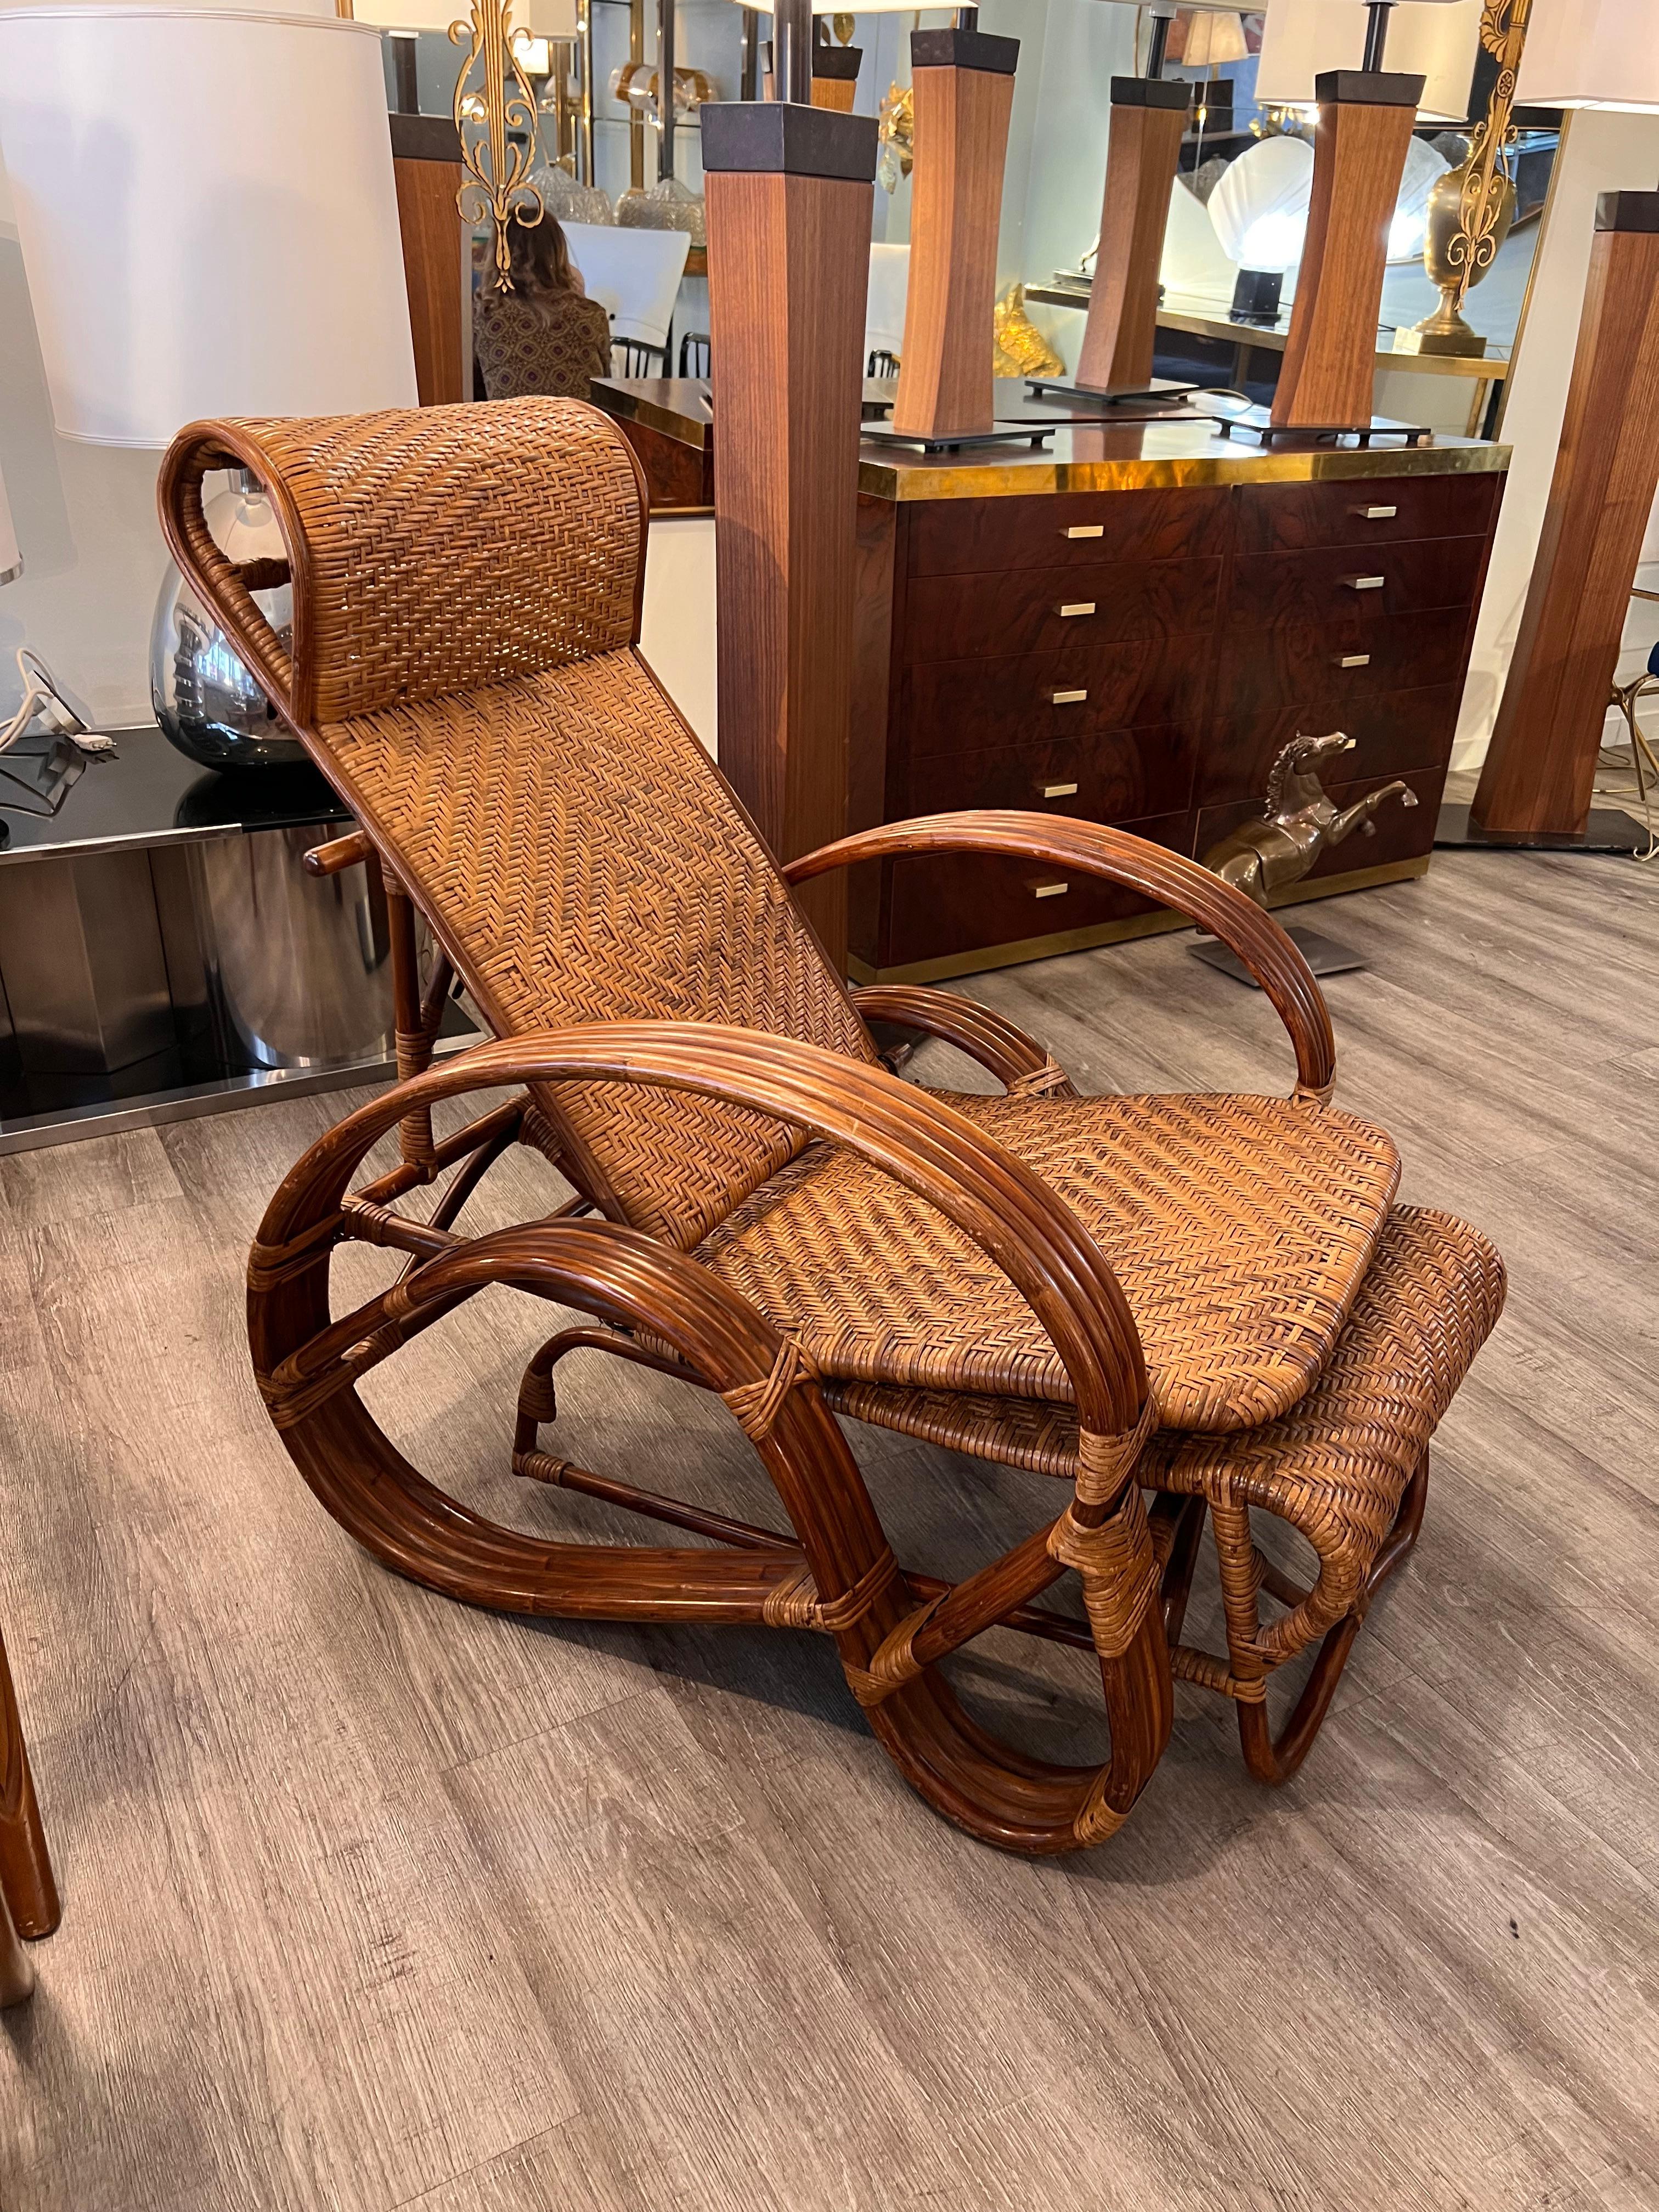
(998, 1044)
(1059, 842)
(1014, 1217)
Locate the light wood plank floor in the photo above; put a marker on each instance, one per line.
(373, 1902)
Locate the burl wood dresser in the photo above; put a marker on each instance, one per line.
(1130, 625)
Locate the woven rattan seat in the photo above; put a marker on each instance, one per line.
(1205, 1299)
(1240, 1230)
(1337, 1466)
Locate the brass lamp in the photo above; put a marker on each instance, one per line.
(1471, 210)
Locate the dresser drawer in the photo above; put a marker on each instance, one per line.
(1393, 731)
(1113, 775)
(960, 537)
(1365, 511)
(969, 706)
(1326, 664)
(1044, 609)
(946, 903)
(1399, 832)
(1414, 577)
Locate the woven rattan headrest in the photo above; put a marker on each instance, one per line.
(433, 550)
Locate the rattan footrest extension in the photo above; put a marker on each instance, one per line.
(1336, 1465)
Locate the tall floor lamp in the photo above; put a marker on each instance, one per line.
(1540, 772)
(789, 193)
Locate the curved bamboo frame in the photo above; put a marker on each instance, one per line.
(838, 1575)
(1117, 857)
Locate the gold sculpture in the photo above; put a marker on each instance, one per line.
(1300, 821)
(493, 100)
(1019, 346)
(1472, 208)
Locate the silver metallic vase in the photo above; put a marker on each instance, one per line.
(206, 701)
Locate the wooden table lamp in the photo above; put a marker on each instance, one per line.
(1149, 119)
(789, 191)
(1539, 773)
(1366, 117)
(964, 88)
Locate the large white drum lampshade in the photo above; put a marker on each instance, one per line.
(1439, 41)
(209, 223)
(1590, 53)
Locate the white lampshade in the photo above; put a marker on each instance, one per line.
(1436, 39)
(209, 223)
(540, 19)
(1216, 36)
(1590, 53)
(11, 561)
(1259, 208)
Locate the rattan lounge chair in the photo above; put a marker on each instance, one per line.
(1209, 1299)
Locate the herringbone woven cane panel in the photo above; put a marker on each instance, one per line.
(574, 841)
(1337, 1466)
(1240, 1229)
(450, 547)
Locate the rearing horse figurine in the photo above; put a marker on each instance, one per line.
(1300, 820)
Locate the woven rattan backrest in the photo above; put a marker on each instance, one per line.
(567, 837)
(438, 548)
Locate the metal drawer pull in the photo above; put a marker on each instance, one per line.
(1377, 513)
(1353, 660)
(1049, 891)
(1060, 790)
(1086, 530)
(1076, 607)
(1364, 583)
(1068, 698)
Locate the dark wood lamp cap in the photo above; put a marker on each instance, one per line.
(833, 63)
(1150, 92)
(785, 136)
(1627, 211)
(1368, 89)
(424, 138)
(971, 50)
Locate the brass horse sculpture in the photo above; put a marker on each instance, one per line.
(1299, 821)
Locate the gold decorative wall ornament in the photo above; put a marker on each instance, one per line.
(1472, 208)
(897, 130)
(1020, 349)
(493, 101)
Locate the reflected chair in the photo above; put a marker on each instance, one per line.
(1208, 1299)
(632, 357)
